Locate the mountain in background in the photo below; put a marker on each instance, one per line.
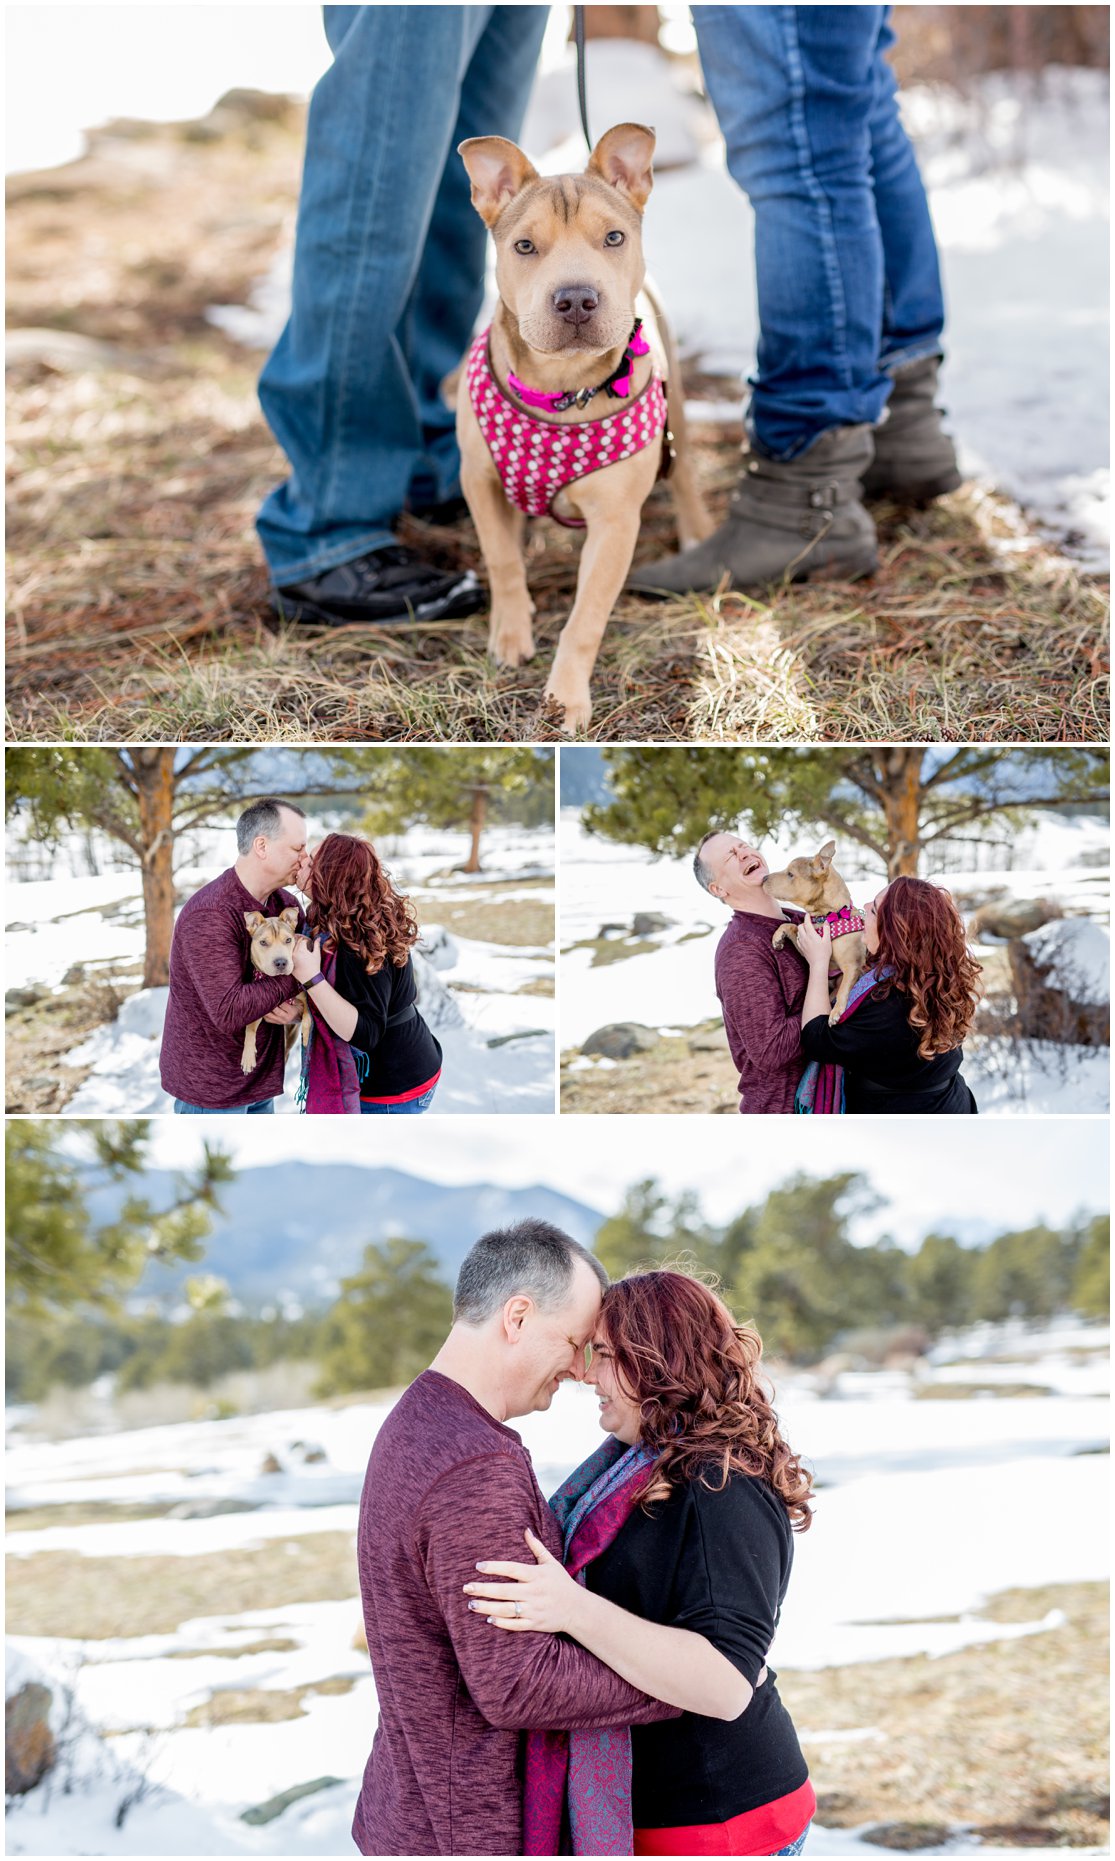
(292, 1231)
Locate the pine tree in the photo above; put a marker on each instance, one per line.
(462, 788)
(893, 801)
(58, 1253)
(389, 1320)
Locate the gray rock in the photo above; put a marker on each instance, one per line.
(29, 1747)
(210, 1508)
(24, 998)
(11, 929)
(620, 1039)
(711, 1040)
(645, 923)
(275, 1805)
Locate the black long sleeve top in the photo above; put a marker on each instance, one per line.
(878, 1050)
(399, 1057)
(717, 1563)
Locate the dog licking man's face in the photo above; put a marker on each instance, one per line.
(569, 255)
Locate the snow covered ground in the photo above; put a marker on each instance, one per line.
(925, 1509)
(470, 994)
(604, 883)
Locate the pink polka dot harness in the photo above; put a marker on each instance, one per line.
(537, 458)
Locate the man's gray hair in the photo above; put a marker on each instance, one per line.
(532, 1257)
(263, 817)
(702, 872)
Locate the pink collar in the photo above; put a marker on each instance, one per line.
(617, 385)
(840, 922)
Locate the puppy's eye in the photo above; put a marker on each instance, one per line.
(613, 239)
(525, 246)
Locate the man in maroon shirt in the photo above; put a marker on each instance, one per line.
(212, 997)
(448, 1484)
(761, 990)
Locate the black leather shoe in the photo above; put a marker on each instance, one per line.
(384, 586)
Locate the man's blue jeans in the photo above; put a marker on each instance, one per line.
(223, 1111)
(388, 271)
(846, 265)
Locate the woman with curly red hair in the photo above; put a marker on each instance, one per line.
(678, 1547)
(370, 1050)
(899, 1043)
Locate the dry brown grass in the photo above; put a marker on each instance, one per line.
(1009, 1739)
(137, 602)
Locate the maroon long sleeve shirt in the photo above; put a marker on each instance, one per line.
(761, 991)
(212, 1000)
(447, 1485)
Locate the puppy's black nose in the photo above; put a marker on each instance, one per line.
(280, 964)
(575, 302)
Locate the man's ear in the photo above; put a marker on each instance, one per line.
(514, 1313)
(290, 915)
(623, 157)
(497, 170)
(253, 919)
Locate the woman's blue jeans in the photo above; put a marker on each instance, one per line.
(388, 271)
(409, 1107)
(846, 266)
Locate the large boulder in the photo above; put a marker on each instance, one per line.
(29, 1746)
(620, 1039)
(646, 923)
(438, 1007)
(1061, 977)
(1011, 917)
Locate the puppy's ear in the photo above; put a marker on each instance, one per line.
(622, 157)
(253, 919)
(497, 170)
(825, 856)
(291, 916)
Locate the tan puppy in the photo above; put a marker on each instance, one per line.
(273, 941)
(817, 888)
(569, 268)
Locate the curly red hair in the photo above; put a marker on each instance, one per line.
(355, 903)
(694, 1372)
(923, 943)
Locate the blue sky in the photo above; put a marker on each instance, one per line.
(969, 1174)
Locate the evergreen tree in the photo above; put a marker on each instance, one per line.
(791, 1268)
(652, 1230)
(147, 799)
(893, 801)
(464, 787)
(1028, 1273)
(941, 1281)
(58, 1255)
(390, 1319)
(1091, 1281)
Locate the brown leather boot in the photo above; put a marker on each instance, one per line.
(915, 459)
(789, 520)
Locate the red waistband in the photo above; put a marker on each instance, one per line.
(761, 1831)
(399, 1098)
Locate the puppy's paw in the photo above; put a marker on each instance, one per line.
(835, 1016)
(511, 644)
(247, 1063)
(569, 706)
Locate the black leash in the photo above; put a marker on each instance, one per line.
(579, 41)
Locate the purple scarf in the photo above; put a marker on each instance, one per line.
(822, 1086)
(331, 1069)
(588, 1771)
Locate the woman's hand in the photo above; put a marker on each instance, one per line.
(307, 959)
(542, 1596)
(815, 943)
